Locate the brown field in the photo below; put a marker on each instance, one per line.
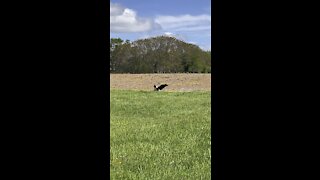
(176, 82)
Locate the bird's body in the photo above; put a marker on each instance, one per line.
(159, 88)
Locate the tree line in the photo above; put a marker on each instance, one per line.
(160, 54)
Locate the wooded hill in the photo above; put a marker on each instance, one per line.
(160, 54)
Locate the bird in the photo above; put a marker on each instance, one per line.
(159, 88)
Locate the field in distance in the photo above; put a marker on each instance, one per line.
(177, 82)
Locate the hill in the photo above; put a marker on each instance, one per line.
(160, 54)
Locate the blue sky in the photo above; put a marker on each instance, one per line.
(188, 20)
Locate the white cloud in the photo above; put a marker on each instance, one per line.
(206, 47)
(126, 20)
(185, 22)
(191, 42)
(170, 34)
(196, 29)
(177, 36)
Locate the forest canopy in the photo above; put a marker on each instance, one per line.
(160, 54)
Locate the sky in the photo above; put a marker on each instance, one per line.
(187, 20)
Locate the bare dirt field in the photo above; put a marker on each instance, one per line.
(176, 82)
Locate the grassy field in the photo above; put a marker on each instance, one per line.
(160, 135)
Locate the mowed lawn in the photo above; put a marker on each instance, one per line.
(160, 135)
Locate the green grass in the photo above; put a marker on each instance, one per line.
(160, 135)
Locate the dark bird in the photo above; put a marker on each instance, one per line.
(158, 88)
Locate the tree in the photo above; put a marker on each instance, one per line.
(115, 43)
(160, 54)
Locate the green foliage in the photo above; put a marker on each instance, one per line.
(160, 135)
(157, 55)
